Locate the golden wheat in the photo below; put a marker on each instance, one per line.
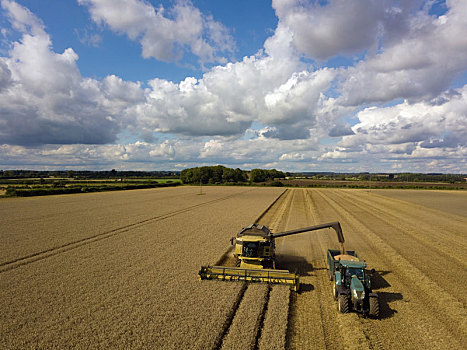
(275, 322)
(245, 326)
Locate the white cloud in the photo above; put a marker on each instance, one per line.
(419, 131)
(273, 108)
(86, 37)
(22, 19)
(339, 27)
(5, 75)
(261, 150)
(406, 53)
(298, 97)
(48, 95)
(43, 97)
(295, 156)
(421, 64)
(164, 34)
(228, 99)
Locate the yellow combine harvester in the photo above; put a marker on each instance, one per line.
(255, 256)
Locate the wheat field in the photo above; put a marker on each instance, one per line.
(119, 270)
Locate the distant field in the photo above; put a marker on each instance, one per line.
(40, 187)
(373, 184)
(454, 202)
(119, 270)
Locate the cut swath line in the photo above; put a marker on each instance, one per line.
(261, 320)
(231, 317)
(270, 206)
(222, 260)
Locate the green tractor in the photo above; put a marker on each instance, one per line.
(352, 283)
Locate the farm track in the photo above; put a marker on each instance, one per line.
(24, 260)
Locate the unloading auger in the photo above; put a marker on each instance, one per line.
(255, 256)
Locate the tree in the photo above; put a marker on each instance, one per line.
(258, 175)
(228, 175)
(212, 174)
(240, 175)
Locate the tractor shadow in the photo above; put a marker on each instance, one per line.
(385, 298)
(297, 265)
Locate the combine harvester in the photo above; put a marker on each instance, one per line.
(255, 256)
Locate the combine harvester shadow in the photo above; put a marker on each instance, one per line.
(299, 265)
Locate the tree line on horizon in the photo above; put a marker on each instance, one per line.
(222, 174)
(219, 174)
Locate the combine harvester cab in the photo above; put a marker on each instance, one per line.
(352, 283)
(255, 257)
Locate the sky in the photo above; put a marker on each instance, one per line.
(296, 85)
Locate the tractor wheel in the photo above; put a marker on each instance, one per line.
(331, 277)
(343, 304)
(334, 291)
(374, 307)
(237, 262)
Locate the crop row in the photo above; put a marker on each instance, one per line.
(135, 289)
(245, 326)
(275, 323)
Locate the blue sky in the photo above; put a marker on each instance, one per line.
(295, 85)
(252, 22)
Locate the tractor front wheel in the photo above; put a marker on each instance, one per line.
(343, 304)
(374, 307)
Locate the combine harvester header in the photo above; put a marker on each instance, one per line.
(272, 276)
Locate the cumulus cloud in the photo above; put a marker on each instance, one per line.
(405, 53)
(46, 100)
(420, 65)
(227, 100)
(341, 130)
(298, 97)
(97, 155)
(5, 75)
(273, 108)
(164, 34)
(417, 131)
(338, 27)
(186, 108)
(168, 153)
(43, 97)
(22, 19)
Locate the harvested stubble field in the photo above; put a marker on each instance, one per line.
(118, 270)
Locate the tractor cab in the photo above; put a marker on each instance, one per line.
(350, 269)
